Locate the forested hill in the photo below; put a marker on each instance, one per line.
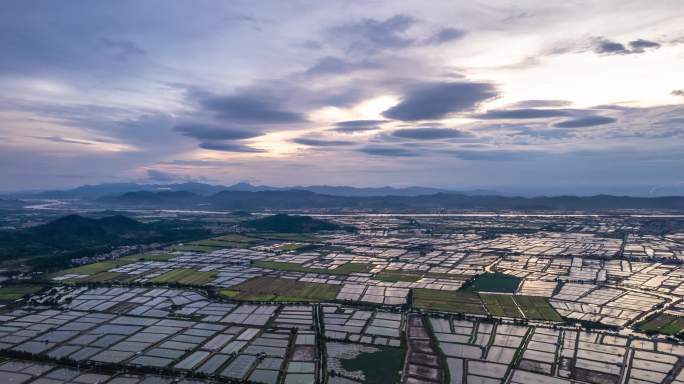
(81, 235)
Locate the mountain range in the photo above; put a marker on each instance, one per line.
(300, 199)
(92, 192)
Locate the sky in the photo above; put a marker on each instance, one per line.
(547, 97)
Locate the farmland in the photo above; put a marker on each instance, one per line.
(15, 292)
(459, 302)
(184, 277)
(292, 267)
(663, 323)
(275, 289)
(501, 305)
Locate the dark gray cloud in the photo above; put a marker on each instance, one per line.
(437, 100)
(387, 151)
(211, 132)
(639, 45)
(541, 103)
(353, 126)
(587, 121)
(370, 35)
(609, 47)
(322, 143)
(496, 155)
(250, 109)
(525, 113)
(429, 133)
(227, 146)
(446, 35)
(336, 65)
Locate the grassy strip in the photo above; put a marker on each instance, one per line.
(537, 308)
(16, 292)
(277, 289)
(449, 301)
(663, 323)
(103, 266)
(235, 238)
(343, 269)
(501, 305)
(397, 276)
(286, 236)
(185, 277)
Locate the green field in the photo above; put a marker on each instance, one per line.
(277, 289)
(449, 301)
(152, 256)
(396, 276)
(220, 242)
(537, 308)
(185, 277)
(16, 292)
(343, 269)
(291, 246)
(301, 237)
(235, 238)
(379, 367)
(103, 266)
(493, 282)
(501, 305)
(91, 269)
(664, 323)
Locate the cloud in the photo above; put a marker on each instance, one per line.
(336, 65)
(446, 35)
(605, 46)
(250, 109)
(496, 155)
(322, 143)
(387, 151)
(227, 147)
(353, 126)
(202, 163)
(160, 176)
(429, 133)
(437, 100)
(60, 139)
(678, 92)
(639, 45)
(541, 103)
(587, 121)
(311, 45)
(546, 134)
(370, 35)
(210, 132)
(123, 49)
(525, 113)
(608, 47)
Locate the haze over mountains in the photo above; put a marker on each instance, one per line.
(303, 200)
(110, 189)
(244, 196)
